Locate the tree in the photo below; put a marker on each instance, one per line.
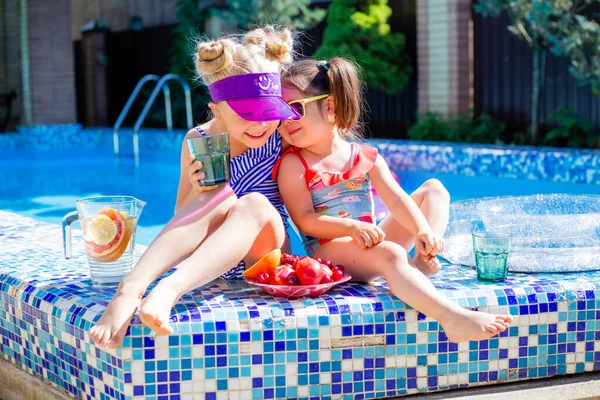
(289, 13)
(359, 29)
(579, 39)
(192, 16)
(554, 25)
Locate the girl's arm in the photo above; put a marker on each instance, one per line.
(298, 201)
(397, 201)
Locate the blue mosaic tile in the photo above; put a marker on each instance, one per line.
(232, 341)
(553, 164)
(53, 137)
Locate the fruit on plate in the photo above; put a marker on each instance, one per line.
(264, 278)
(289, 258)
(309, 271)
(107, 235)
(282, 269)
(281, 274)
(267, 264)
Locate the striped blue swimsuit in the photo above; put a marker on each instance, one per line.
(251, 172)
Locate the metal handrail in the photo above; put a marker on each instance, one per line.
(161, 83)
(132, 97)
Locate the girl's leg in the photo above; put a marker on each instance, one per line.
(390, 260)
(434, 202)
(252, 228)
(179, 238)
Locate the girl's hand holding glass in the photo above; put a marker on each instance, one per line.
(366, 234)
(196, 176)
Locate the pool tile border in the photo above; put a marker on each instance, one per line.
(233, 341)
(522, 162)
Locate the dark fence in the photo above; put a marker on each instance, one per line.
(129, 55)
(391, 116)
(503, 77)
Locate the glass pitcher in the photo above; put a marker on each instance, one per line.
(108, 224)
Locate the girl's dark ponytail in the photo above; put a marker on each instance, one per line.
(347, 89)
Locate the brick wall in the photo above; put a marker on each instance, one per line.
(443, 55)
(51, 62)
(459, 17)
(437, 68)
(422, 54)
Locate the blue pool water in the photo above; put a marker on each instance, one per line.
(45, 184)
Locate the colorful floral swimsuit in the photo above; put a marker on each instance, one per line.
(342, 194)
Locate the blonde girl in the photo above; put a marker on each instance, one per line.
(244, 82)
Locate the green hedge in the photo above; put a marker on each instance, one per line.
(568, 130)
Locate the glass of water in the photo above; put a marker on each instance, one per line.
(213, 152)
(491, 255)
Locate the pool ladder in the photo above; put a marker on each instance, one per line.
(161, 84)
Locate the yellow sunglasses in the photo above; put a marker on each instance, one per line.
(299, 106)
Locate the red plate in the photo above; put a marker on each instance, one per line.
(294, 292)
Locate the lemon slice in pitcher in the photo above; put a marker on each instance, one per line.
(101, 229)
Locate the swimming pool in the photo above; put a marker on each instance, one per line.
(44, 184)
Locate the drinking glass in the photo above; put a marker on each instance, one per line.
(491, 255)
(213, 152)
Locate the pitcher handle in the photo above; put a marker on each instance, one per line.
(66, 231)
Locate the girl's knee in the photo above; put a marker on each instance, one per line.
(255, 202)
(258, 206)
(392, 253)
(436, 188)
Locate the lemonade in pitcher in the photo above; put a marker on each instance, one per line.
(108, 225)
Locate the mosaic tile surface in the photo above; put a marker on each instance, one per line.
(50, 137)
(553, 164)
(234, 342)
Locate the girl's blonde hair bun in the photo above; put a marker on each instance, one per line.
(214, 56)
(278, 43)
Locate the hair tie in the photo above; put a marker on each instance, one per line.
(268, 30)
(323, 64)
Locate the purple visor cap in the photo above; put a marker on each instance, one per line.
(254, 97)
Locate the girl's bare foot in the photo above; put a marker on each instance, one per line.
(156, 309)
(467, 325)
(112, 326)
(429, 265)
